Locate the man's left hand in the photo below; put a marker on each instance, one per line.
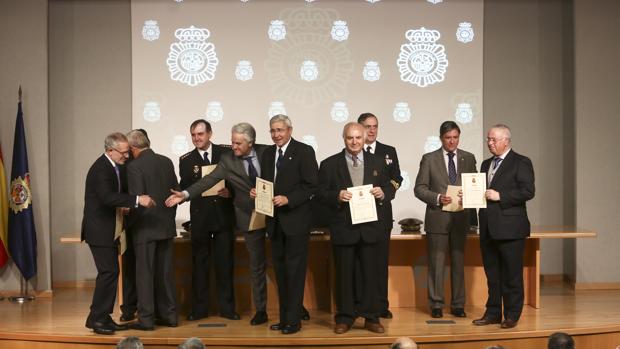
(492, 195)
(377, 192)
(280, 201)
(224, 192)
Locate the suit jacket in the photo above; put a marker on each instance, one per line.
(297, 180)
(333, 177)
(433, 180)
(231, 169)
(387, 153)
(212, 213)
(101, 198)
(152, 174)
(514, 180)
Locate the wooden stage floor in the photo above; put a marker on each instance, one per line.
(591, 316)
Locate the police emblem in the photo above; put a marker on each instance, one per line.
(20, 197)
(422, 61)
(196, 169)
(192, 60)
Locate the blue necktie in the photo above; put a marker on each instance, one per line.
(118, 177)
(252, 173)
(280, 158)
(496, 162)
(451, 168)
(206, 158)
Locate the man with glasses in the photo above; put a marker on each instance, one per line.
(102, 196)
(504, 225)
(240, 169)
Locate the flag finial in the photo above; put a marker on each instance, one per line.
(19, 93)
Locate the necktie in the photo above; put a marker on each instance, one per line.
(252, 173)
(280, 158)
(496, 162)
(369, 149)
(206, 158)
(118, 177)
(451, 168)
(355, 160)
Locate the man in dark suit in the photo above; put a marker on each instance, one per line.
(153, 232)
(211, 227)
(387, 154)
(350, 242)
(292, 167)
(130, 296)
(102, 196)
(504, 225)
(239, 169)
(445, 231)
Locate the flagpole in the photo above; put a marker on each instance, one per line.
(23, 297)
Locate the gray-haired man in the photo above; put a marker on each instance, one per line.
(240, 169)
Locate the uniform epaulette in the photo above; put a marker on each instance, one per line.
(185, 155)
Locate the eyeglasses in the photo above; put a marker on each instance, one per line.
(494, 140)
(123, 153)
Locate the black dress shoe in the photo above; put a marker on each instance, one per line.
(509, 323)
(140, 327)
(276, 327)
(100, 328)
(290, 329)
(231, 316)
(436, 313)
(458, 312)
(305, 315)
(259, 318)
(127, 317)
(196, 316)
(387, 314)
(483, 321)
(117, 327)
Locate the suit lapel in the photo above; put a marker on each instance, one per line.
(343, 171)
(503, 166)
(441, 164)
(459, 166)
(217, 153)
(367, 169)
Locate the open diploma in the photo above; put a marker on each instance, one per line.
(474, 187)
(263, 202)
(217, 187)
(362, 204)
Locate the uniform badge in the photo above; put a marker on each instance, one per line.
(196, 169)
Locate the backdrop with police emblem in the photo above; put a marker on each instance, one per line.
(413, 63)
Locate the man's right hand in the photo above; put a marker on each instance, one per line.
(146, 201)
(176, 198)
(253, 193)
(445, 200)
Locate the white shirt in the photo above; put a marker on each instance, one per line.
(373, 147)
(210, 153)
(492, 169)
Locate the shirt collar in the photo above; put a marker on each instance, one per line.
(110, 160)
(445, 152)
(283, 147)
(372, 146)
(209, 148)
(349, 156)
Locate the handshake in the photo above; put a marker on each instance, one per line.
(146, 201)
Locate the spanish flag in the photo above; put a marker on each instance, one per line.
(4, 210)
